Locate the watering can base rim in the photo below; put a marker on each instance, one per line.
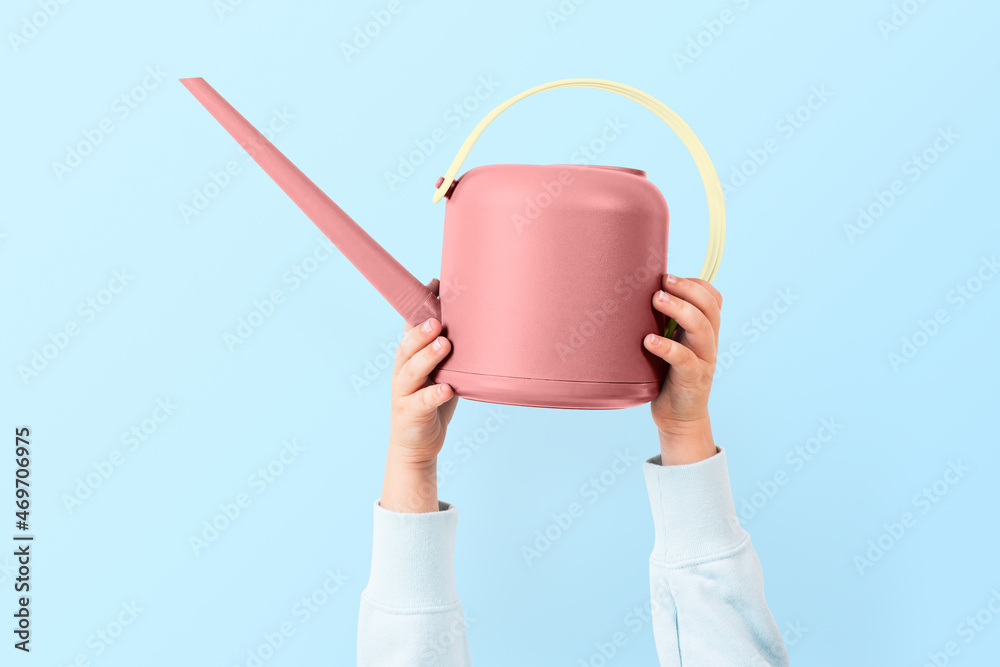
(542, 393)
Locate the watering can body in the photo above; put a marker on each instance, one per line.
(547, 276)
(547, 271)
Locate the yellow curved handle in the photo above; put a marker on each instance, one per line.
(713, 188)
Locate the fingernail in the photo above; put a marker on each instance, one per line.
(671, 279)
(438, 343)
(651, 339)
(428, 326)
(442, 388)
(664, 297)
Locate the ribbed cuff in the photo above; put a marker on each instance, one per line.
(413, 564)
(693, 512)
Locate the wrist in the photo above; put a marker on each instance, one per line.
(686, 441)
(410, 483)
(410, 457)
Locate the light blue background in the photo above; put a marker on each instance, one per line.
(162, 336)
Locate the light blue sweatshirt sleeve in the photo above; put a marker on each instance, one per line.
(410, 611)
(706, 584)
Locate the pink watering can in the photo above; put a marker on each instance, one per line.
(547, 271)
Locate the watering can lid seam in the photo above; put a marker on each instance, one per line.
(624, 170)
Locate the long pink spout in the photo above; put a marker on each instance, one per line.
(405, 293)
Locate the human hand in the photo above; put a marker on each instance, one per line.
(419, 417)
(681, 410)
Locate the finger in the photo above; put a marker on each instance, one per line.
(682, 359)
(699, 333)
(711, 288)
(416, 338)
(413, 375)
(696, 294)
(429, 399)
